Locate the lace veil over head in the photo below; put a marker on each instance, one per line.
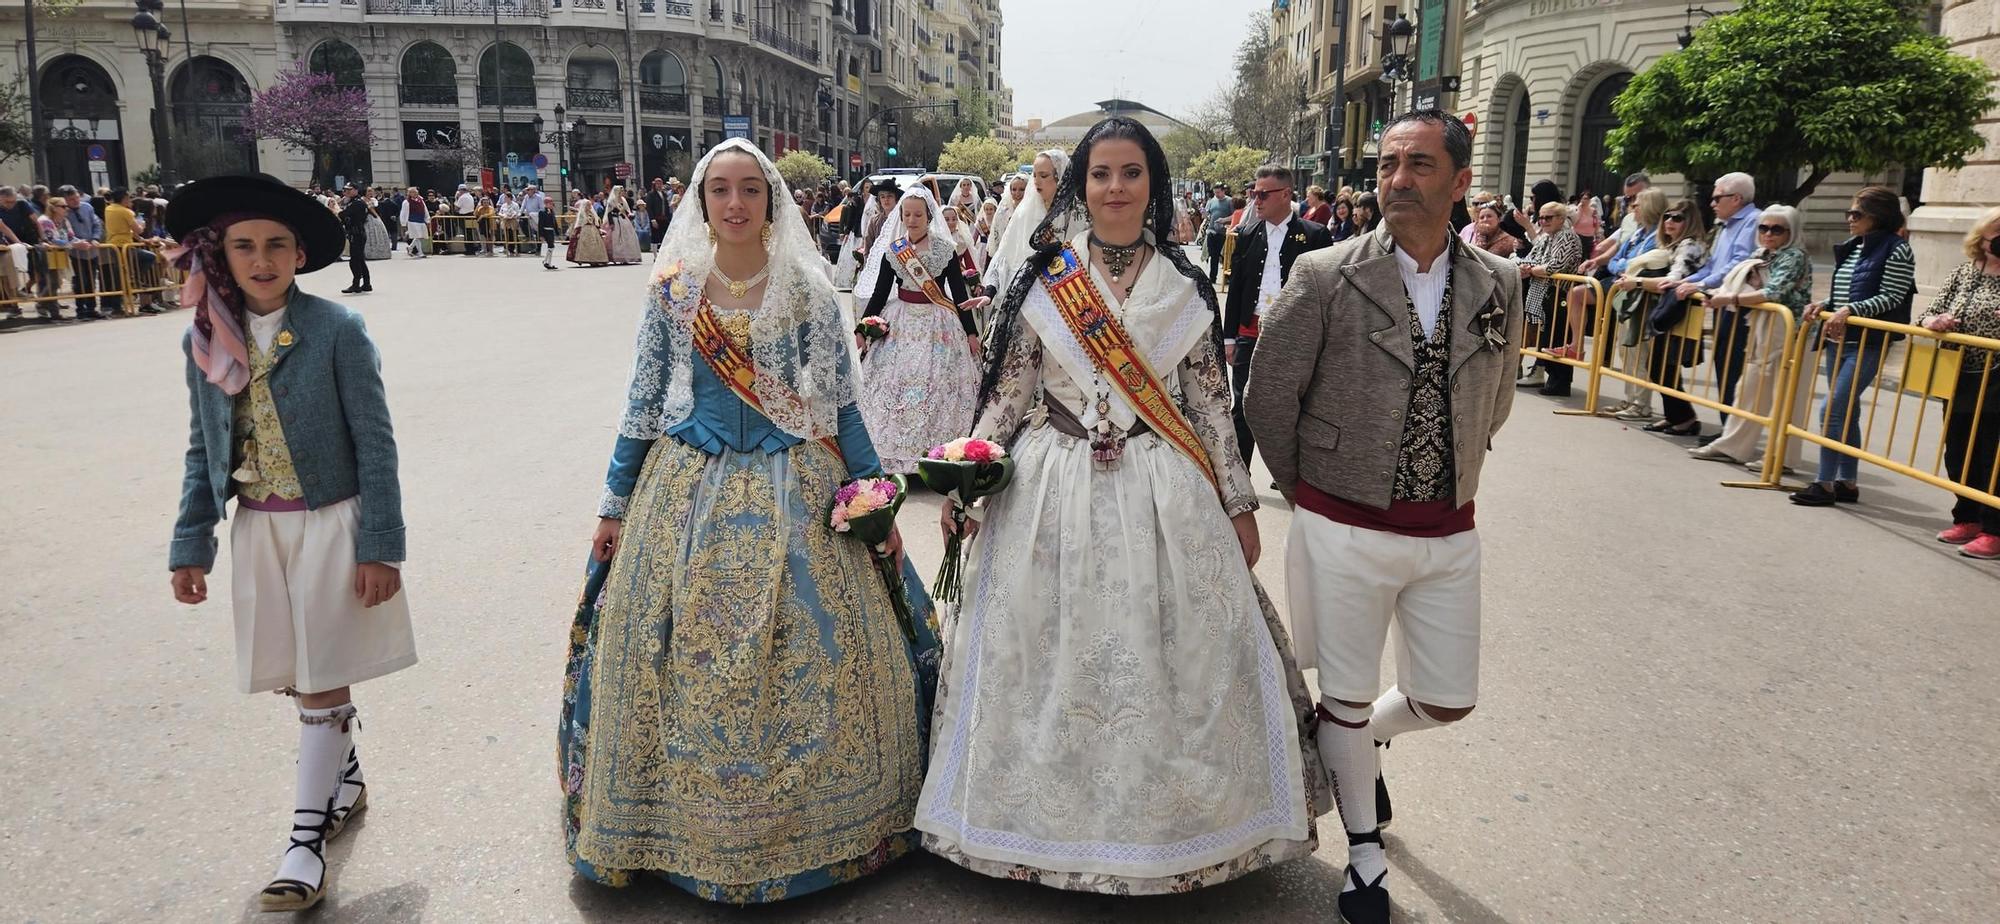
(797, 333)
(893, 230)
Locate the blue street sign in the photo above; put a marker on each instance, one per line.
(736, 126)
(541, 162)
(94, 152)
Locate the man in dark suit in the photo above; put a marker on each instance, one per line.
(659, 208)
(1256, 274)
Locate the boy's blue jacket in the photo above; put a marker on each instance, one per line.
(327, 382)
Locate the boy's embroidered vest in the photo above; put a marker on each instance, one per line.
(264, 461)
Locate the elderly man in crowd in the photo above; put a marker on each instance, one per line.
(1736, 214)
(86, 230)
(532, 202)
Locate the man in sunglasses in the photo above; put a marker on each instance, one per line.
(1736, 214)
(1266, 245)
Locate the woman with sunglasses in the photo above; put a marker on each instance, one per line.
(1969, 303)
(1781, 272)
(1875, 276)
(1677, 253)
(1557, 250)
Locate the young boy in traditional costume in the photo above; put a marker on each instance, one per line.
(290, 418)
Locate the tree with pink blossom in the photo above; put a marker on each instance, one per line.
(308, 113)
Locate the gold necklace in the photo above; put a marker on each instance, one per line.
(1117, 258)
(738, 289)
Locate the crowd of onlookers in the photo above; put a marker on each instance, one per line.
(63, 243)
(1682, 294)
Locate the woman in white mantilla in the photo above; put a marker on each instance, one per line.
(622, 235)
(1119, 710)
(919, 382)
(743, 713)
(1016, 242)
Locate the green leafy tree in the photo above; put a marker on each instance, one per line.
(980, 155)
(1234, 165)
(803, 169)
(974, 117)
(15, 138)
(1820, 85)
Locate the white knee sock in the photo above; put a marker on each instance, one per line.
(324, 740)
(1348, 748)
(1396, 714)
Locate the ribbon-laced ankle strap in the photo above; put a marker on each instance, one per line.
(1366, 837)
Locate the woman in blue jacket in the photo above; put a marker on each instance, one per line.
(289, 418)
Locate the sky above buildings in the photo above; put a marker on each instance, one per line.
(1064, 55)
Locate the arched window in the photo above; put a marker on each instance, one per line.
(430, 76)
(1597, 121)
(210, 99)
(80, 110)
(338, 58)
(515, 75)
(718, 85)
(592, 81)
(662, 83)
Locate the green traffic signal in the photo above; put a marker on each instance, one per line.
(892, 152)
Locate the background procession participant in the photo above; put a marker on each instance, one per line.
(623, 236)
(922, 380)
(1263, 253)
(415, 218)
(354, 218)
(743, 715)
(1399, 348)
(319, 526)
(1120, 712)
(1016, 243)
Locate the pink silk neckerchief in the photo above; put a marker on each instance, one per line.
(218, 343)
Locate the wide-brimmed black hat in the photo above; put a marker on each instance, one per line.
(257, 195)
(885, 186)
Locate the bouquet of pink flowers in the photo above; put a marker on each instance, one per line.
(874, 328)
(865, 508)
(963, 470)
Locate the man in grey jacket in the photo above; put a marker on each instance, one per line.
(1384, 369)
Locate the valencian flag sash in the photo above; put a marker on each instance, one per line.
(732, 364)
(1111, 350)
(906, 254)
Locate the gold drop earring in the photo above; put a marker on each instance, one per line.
(711, 234)
(765, 234)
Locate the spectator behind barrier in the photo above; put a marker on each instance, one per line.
(1556, 250)
(1969, 303)
(1781, 273)
(1677, 251)
(1874, 276)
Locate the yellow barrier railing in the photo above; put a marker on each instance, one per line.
(1960, 371)
(93, 277)
(1763, 369)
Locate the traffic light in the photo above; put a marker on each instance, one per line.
(895, 140)
(565, 171)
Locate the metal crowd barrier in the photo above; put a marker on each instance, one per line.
(1761, 367)
(105, 277)
(1886, 427)
(466, 233)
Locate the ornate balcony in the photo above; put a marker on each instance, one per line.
(419, 94)
(523, 95)
(592, 98)
(767, 34)
(653, 99)
(517, 9)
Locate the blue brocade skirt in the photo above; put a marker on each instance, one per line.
(742, 713)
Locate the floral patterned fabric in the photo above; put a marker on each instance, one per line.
(742, 714)
(1119, 710)
(260, 439)
(920, 384)
(1426, 470)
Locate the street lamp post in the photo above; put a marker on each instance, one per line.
(560, 137)
(153, 38)
(1396, 65)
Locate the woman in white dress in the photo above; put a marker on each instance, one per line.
(1119, 709)
(965, 195)
(919, 381)
(1015, 243)
(624, 235)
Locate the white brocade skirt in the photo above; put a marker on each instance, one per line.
(919, 386)
(298, 622)
(1118, 710)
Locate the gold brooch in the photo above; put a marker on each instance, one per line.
(1299, 238)
(284, 338)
